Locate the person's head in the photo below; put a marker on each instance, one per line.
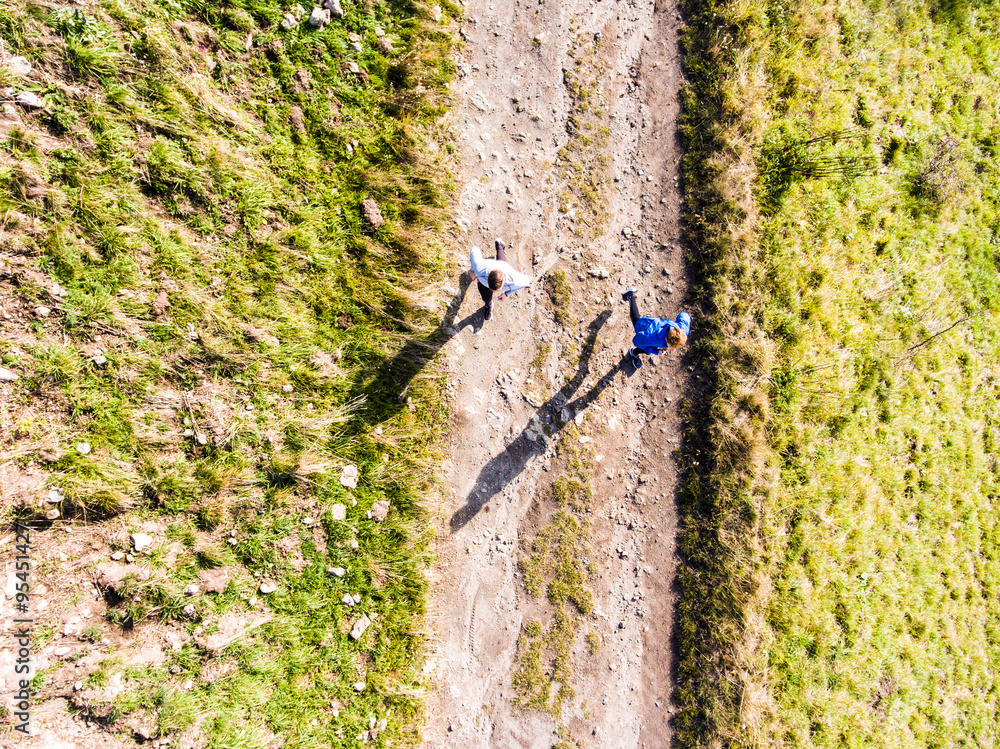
(676, 338)
(495, 279)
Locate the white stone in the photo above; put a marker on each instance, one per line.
(319, 18)
(338, 511)
(7, 376)
(337, 571)
(359, 627)
(19, 66)
(29, 100)
(140, 541)
(349, 476)
(268, 587)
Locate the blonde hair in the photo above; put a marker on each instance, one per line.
(676, 338)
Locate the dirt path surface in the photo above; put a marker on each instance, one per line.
(523, 376)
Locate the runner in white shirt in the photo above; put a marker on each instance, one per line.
(495, 276)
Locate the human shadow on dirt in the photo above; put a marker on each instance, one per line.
(385, 392)
(544, 425)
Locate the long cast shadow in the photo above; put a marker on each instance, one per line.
(385, 391)
(532, 441)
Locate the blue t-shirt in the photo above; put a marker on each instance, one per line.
(651, 332)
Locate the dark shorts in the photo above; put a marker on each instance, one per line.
(485, 291)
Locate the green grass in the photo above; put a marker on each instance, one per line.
(841, 533)
(557, 562)
(560, 295)
(172, 171)
(583, 161)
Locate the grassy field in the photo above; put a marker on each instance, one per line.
(230, 222)
(841, 534)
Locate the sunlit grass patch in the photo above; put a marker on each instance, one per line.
(190, 202)
(842, 479)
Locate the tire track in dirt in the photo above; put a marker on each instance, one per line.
(510, 118)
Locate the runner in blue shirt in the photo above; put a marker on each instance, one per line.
(653, 334)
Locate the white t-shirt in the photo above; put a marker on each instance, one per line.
(512, 281)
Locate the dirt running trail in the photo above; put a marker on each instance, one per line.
(511, 116)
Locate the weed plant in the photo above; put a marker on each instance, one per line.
(194, 185)
(839, 508)
(558, 563)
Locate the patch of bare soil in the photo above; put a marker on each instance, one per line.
(518, 117)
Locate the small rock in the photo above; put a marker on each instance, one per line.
(334, 7)
(337, 571)
(161, 303)
(253, 334)
(140, 541)
(288, 22)
(52, 514)
(353, 544)
(338, 511)
(287, 388)
(598, 272)
(19, 66)
(191, 590)
(100, 360)
(7, 376)
(359, 686)
(64, 651)
(268, 587)
(319, 18)
(372, 213)
(347, 600)
(356, 47)
(436, 13)
(118, 555)
(380, 511)
(42, 312)
(384, 45)
(29, 100)
(83, 448)
(349, 477)
(359, 627)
